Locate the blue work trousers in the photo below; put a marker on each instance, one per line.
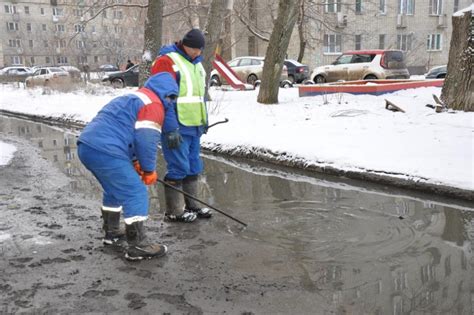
(121, 183)
(184, 160)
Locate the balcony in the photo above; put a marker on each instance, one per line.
(442, 21)
(401, 21)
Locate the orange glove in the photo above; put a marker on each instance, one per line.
(149, 178)
(137, 167)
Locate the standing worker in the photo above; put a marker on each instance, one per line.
(182, 130)
(119, 146)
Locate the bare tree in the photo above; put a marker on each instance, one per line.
(458, 88)
(153, 34)
(276, 51)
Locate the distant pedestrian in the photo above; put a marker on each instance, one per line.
(86, 69)
(119, 147)
(129, 64)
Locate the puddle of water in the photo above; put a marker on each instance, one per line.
(356, 241)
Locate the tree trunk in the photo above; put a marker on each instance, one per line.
(213, 29)
(276, 51)
(153, 34)
(301, 35)
(458, 88)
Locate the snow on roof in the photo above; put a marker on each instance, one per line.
(463, 11)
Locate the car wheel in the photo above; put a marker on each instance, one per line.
(319, 79)
(370, 77)
(118, 83)
(286, 84)
(291, 78)
(251, 79)
(215, 81)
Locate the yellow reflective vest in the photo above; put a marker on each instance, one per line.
(190, 104)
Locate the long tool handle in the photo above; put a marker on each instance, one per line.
(204, 203)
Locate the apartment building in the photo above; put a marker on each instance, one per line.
(421, 28)
(69, 32)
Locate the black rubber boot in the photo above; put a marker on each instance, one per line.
(138, 247)
(191, 186)
(175, 204)
(111, 226)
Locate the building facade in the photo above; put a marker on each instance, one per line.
(69, 32)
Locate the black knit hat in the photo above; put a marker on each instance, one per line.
(194, 39)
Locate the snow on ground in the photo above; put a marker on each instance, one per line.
(347, 132)
(6, 153)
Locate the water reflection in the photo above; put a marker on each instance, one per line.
(344, 244)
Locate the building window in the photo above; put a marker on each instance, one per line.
(61, 60)
(82, 59)
(406, 7)
(28, 27)
(117, 29)
(57, 11)
(27, 10)
(12, 26)
(107, 58)
(78, 28)
(332, 43)
(104, 14)
(61, 43)
(32, 60)
(30, 43)
(43, 27)
(77, 12)
(80, 44)
(456, 5)
(358, 42)
(436, 7)
(381, 41)
(96, 59)
(42, 11)
(60, 28)
(332, 6)
(358, 6)
(45, 43)
(118, 14)
(16, 60)
(433, 42)
(404, 42)
(47, 60)
(14, 43)
(10, 9)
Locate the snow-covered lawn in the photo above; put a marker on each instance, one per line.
(346, 132)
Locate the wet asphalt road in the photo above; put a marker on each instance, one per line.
(314, 245)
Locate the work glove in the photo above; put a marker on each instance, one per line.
(173, 139)
(149, 178)
(137, 167)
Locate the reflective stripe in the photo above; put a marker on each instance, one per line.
(175, 68)
(112, 209)
(137, 218)
(144, 98)
(147, 124)
(191, 99)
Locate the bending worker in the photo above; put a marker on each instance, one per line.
(182, 130)
(119, 146)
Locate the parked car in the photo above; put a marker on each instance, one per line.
(48, 76)
(297, 72)
(437, 72)
(108, 68)
(363, 65)
(74, 72)
(15, 72)
(122, 79)
(248, 69)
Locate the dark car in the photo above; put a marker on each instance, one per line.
(436, 73)
(297, 72)
(122, 79)
(108, 68)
